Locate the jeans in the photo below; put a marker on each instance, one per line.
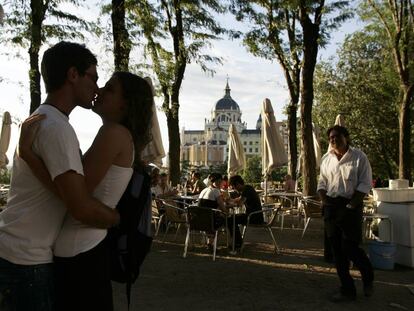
(26, 287)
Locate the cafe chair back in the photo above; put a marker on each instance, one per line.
(270, 212)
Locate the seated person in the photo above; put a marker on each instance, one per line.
(211, 197)
(163, 190)
(290, 184)
(198, 184)
(248, 197)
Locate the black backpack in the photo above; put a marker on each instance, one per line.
(128, 246)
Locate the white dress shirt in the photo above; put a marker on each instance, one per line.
(344, 177)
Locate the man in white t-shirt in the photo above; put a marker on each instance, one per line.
(33, 217)
(163, 190)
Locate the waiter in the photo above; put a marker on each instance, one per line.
(345, 179)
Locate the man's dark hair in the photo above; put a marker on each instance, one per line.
(341, 130)
(214, 177)
(236, 180)
(58, 59)
(197, 174)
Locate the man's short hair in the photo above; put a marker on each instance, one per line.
(58, 59)
(197, 174)
(236, 180)
(214, 177)
(341, 130)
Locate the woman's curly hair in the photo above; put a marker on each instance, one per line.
(139, 98)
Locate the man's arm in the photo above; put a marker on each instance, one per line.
(83, 207)
(322, 195)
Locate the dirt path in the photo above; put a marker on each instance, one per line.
(295, 279)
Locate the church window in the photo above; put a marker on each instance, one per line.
(245, 143)
(250, 149)
(257, 150)
(250, 142)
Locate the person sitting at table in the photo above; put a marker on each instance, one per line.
(290, 184)
(250, 199)
(198, 184)
(211, 197)
(163, 190)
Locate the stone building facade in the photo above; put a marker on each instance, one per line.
(208, 147)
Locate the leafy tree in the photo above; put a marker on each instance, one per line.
(397, 18)
(292, 32)
(253, 171)
(121, 40)
(30, 23)
(176, 32)
(314, 18)
(363, 86)
(5, 176)
(274, 35)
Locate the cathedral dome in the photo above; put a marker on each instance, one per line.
(227, 103)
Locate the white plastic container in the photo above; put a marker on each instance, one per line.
(402, 217)
(398, 184)
(394, 195)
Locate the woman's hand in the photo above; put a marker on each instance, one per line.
(28, 131)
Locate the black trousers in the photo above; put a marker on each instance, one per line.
(83, 282)
(344, 230)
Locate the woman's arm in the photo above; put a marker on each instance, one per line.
(109, 147)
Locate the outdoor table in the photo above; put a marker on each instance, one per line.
(187, 199)
(233, 211)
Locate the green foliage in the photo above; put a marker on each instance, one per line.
(363, 86)
(253, 171)
(5, 176)
(58, 24)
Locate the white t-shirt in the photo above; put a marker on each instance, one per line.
(210, 193)
(75, 237)
(158, 190)
(34, 215)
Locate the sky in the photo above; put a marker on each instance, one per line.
(251, 80)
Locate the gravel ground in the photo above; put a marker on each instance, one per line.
(297, 278)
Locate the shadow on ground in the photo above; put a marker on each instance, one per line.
(297, 278)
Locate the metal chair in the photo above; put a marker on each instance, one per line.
(311, 208)
(203, 219)
(173, 215)
(270, 212)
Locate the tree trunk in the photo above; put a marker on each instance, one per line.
(404, 171)
(37, 15)
(122, 44)
(174, 143)
(292, 132)
(310, 52)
